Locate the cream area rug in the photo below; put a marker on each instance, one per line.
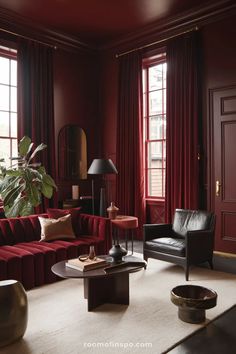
(60, 324)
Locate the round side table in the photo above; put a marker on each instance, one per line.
(13, 311)
(126, 223)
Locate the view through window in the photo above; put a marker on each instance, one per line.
(8, 104)
(154, 114)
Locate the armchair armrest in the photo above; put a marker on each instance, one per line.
(200, 244)
(151, 231)
(97, 226)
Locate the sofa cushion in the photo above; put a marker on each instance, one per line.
(75, 216)
(56, 229)
(174, 246)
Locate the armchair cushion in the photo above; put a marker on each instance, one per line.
(174, 246)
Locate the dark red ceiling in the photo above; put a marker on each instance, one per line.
(99, 20)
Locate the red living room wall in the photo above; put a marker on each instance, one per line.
(76, 103)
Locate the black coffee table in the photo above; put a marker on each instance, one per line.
(102, 287)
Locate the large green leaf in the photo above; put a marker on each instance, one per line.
(26, 209)
(47, 190)
(24, 146)
(49, 180)
(13, 194)
(17, 208)
(38, 148)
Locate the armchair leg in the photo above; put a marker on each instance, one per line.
(210, 264)
(187, 272)
(146, 260)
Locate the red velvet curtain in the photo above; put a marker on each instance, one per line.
(182, 165)
(35, 102)
(130, 182)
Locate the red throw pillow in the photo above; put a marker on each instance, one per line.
(75, 216)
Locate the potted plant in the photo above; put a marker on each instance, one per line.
(25, 181)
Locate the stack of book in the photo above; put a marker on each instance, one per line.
(86, 265)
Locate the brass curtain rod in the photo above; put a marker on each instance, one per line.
(29, 38)
(157, 42)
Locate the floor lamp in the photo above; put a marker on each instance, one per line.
(101, 167)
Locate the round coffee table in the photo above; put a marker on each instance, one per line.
(193, 301)
(109, 284)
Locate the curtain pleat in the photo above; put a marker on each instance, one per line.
(183, 116)
(130, 178)
(35, 103)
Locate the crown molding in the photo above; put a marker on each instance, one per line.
(19, 26)
(198, 16)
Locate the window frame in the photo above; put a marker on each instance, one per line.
(11, 54)
(146, 65)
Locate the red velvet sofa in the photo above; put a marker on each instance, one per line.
(24, 258)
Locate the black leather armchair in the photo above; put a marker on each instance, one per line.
(188, 241)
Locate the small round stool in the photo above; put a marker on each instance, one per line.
(13, 311)
(126, 223)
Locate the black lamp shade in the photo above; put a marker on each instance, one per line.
(102, 167)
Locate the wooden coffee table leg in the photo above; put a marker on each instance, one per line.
(111, 289)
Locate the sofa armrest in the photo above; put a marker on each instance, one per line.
(97, 226)
(151, 231)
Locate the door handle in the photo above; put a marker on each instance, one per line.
(218, 185)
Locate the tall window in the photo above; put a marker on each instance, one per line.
(8, 104)
(154, 115)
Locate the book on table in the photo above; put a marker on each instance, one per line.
(86, 265)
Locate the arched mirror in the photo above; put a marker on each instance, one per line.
(72, 153)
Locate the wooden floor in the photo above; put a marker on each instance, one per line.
(218, 337)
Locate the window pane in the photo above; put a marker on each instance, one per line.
(13, 125)
(5, 150)
(4, 124)
(164, 101)
(155, 102)
(144, 80)
(13, 99)
(156, 129)
(155, 154)
(155, 77)
(4, 70)
(155, 186)
(164, 66)
(4, 98)
(13, 72)
(14, 148)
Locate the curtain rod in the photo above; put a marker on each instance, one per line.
(157, 42)
(25, 37)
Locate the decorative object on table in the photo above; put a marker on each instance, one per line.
(75, 192)
(13, 311)
(86, 264)
(23, 183)
(117, 253)
(112, 211)
(101, 167)
(92, 254)
(193, 301)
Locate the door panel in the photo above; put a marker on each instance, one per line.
(223, 106)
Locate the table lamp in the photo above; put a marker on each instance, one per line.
(101, 167)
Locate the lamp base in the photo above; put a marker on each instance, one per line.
(117, 253)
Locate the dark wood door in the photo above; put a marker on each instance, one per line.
(223, 114)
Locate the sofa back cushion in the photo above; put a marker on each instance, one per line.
(189, 220)
(75, 217)
(21, 229)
